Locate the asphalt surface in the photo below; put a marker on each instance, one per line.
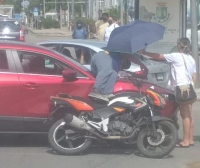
(33, 151)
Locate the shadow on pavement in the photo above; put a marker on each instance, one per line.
(197, 138)
(108, 150)
(20, 140)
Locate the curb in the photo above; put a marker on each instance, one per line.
(51, 34)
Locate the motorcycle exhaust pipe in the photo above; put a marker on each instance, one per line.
(75, 122)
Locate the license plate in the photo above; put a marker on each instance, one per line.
(160, 77)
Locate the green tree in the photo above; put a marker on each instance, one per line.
(16, 3)
(114, 12)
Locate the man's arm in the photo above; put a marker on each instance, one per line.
(155, 56)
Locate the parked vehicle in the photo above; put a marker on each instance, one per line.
(159, 72)
(11, 29)
(123, 119)
(30, 74)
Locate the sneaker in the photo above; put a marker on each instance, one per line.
(109, 96)
(95, 93)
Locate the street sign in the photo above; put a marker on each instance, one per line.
(25, 4)
(18, 16)
(35, 11)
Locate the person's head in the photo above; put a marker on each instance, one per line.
(110, 20)
(79, 24)
(184, 45)
(105, 17)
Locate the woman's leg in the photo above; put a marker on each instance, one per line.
(191, 126)
(186, 117)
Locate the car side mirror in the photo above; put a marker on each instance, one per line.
(69, 74)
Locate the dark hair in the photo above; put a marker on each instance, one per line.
(79, 22)
(100, 18)
(184, 44)
(105, 14)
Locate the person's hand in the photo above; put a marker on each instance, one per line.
(141, 52)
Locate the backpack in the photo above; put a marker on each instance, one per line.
(79, 34)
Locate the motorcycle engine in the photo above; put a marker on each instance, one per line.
(121, 126)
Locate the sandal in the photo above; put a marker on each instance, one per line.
(181, 146)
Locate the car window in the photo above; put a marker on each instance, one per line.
(34, 63)
(198, 27)
(3, 62)
(51, 46)
(69, 52)
(77, 53)
(9, 25)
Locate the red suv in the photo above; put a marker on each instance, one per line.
(30, 74)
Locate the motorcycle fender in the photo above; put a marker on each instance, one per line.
(60, 109)
(160, 118)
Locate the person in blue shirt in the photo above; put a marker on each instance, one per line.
(105, 67)
(79, 32)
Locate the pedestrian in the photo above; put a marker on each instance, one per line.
(79, 32)
(97, 25)
(112, 25)
(105, 67)
(184, 75)
(102, 27)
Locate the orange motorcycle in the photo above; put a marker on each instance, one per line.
(124, 119)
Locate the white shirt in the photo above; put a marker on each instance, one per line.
(109, 30)
(180, 74)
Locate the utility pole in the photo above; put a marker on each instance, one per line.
(86, 8)
(44, 6)
(121, 12)
(91, 4)
(55, 6)
(97, 8)
(194, 37)
(60, 17)
(72, 6)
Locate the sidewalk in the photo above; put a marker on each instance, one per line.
(51, 32)
(198, 93)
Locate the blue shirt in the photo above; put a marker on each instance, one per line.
(79, 34)
(115, 61)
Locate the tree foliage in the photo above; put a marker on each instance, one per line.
(114, 12)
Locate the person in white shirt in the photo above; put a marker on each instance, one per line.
(112, 25)
(181, 77)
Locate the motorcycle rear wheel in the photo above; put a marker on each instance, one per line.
(66, 146)
(161, 146)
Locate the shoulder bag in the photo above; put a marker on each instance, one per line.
(185, 93)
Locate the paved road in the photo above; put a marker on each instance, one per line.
(32, 151)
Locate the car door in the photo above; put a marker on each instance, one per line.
(11, 116)
(42, 79)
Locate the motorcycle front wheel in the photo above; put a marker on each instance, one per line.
(65, 141)
(160, 145)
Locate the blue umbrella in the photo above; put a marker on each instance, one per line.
(134, 36)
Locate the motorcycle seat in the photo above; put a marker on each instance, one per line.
(93, 104)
